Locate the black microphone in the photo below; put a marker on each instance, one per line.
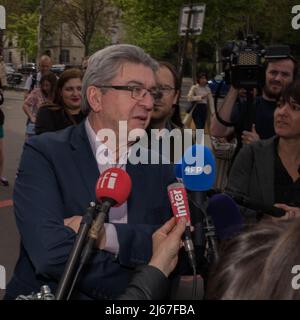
(226, 216)
(255, 205)
(247, 202)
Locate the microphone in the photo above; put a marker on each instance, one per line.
(226, 216)
(178, 198)
(246, 202)
(112, 189)
(198, 175)
(198, 168)
(257, 206)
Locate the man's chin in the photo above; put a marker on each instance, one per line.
(273, 94)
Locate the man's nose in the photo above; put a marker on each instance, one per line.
(148, 101)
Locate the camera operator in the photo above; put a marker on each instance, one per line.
(280, 71)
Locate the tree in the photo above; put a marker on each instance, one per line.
(84, 17)
(152, 25)
(24, 27)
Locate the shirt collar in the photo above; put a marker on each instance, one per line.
(101, 150)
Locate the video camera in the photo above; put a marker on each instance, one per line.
(243, 63)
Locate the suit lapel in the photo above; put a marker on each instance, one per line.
(84, 158)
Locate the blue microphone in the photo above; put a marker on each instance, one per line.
(226, 216)
(198, 168)
(198, 176)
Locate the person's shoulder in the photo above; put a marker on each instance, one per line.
(51, 141)
(50, 107)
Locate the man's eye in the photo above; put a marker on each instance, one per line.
(295, 107)
(137, 89)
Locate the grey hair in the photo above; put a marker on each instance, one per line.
(103, 66)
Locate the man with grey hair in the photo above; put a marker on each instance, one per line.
(33, 80)
(58, 173)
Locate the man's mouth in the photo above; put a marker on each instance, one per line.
(141, 117)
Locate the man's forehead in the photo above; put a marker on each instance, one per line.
(136, 72)
(281, 64)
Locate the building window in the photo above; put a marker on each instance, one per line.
(65, 56)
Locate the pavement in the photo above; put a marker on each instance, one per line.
(14, 129)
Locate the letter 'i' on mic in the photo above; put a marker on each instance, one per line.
(114, 184)
(178, 198)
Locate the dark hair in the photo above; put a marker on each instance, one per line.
(201, 75)
(50, 77)
(174, 72)
(258, 263)
(176, 117)
(63, 78)
(292, 91)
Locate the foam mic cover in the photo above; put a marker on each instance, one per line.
(179, 202)
(198, 168)
(113, 184)
(226, 216)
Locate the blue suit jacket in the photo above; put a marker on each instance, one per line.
(56, 179)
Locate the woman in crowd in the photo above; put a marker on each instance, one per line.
(38, 96)
(65, 109)
(267, 171)
(201, 97)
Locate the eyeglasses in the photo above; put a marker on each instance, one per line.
(137, 92)
(163, 91)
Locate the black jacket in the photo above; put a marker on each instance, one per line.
(148, 283)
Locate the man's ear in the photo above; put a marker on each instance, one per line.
(94, 97)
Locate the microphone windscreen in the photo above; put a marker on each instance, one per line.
(226, 216)
(115, 184)
(198, 168)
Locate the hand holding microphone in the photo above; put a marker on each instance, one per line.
(166, 242)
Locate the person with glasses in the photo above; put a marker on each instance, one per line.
(268, 171)
(166, 112)
(58, 173)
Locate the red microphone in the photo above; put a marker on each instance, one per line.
(178, 198)
(180, 207)
(112, 190)
(113, 185)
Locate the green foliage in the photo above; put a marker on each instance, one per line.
(151, 24)
(98, 42)
(25, 27)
